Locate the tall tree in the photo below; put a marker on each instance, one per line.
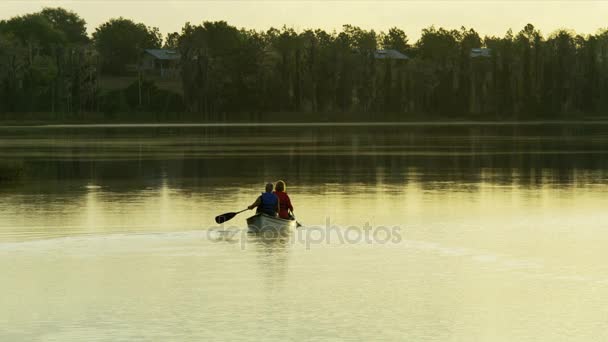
(73, 27)
(171, 41)
(395, 39)
(121, 41)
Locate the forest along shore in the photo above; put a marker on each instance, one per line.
(126, 71)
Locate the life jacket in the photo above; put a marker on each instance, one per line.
(269, 203)
(284, 204)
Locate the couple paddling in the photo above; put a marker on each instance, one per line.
(275, 202)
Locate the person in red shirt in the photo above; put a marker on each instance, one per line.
(285, 206)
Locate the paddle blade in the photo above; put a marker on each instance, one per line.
(293, 217)
(224, 217)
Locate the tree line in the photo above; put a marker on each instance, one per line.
(48, 63)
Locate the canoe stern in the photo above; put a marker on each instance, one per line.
(263, 222)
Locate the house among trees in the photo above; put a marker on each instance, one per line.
(389, 54)
(481, 52)
(160, 62)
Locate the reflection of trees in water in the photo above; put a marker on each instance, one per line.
(311, 156)
(523, 169)
(11, 171)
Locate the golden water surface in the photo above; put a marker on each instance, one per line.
(411, 233)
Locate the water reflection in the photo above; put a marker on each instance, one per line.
(109, 235)
(272, 256)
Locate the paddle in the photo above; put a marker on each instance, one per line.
(293, 217)
(227, 216)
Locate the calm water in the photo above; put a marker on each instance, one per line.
(415, 233)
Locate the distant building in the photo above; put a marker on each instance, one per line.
(160, 62)
(481, 52)
(390, 54)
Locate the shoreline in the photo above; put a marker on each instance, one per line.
(42, 125)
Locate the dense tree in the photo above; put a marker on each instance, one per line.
(395, 39)
(13, 61)
(44, 63)
(35, 31)
(171, 41)
(48, 64)
(209, 66)
(30, 43)
(120, 43)
(73, 28)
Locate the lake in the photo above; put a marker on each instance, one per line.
(412, 232)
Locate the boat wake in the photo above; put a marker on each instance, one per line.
(197, 242)
(130, 240)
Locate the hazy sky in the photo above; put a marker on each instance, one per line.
(487, 17)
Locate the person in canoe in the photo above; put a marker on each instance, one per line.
(267, 202)
(285, 207)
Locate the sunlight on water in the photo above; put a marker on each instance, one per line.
(423, 238)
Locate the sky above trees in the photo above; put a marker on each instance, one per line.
(488, 17)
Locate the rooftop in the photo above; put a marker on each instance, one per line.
(481, 52)
(389, 54)
(163, 54)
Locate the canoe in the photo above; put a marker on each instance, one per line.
(263, 222)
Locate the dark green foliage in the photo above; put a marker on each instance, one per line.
(34, 30)
(48, 64)
(395, 39)
(114, 102)
(149, 98)
(172, 41)
(144, 97)
(120, 41)
(45, 64)
(72, 27)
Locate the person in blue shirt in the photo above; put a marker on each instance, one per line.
(267, 202)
